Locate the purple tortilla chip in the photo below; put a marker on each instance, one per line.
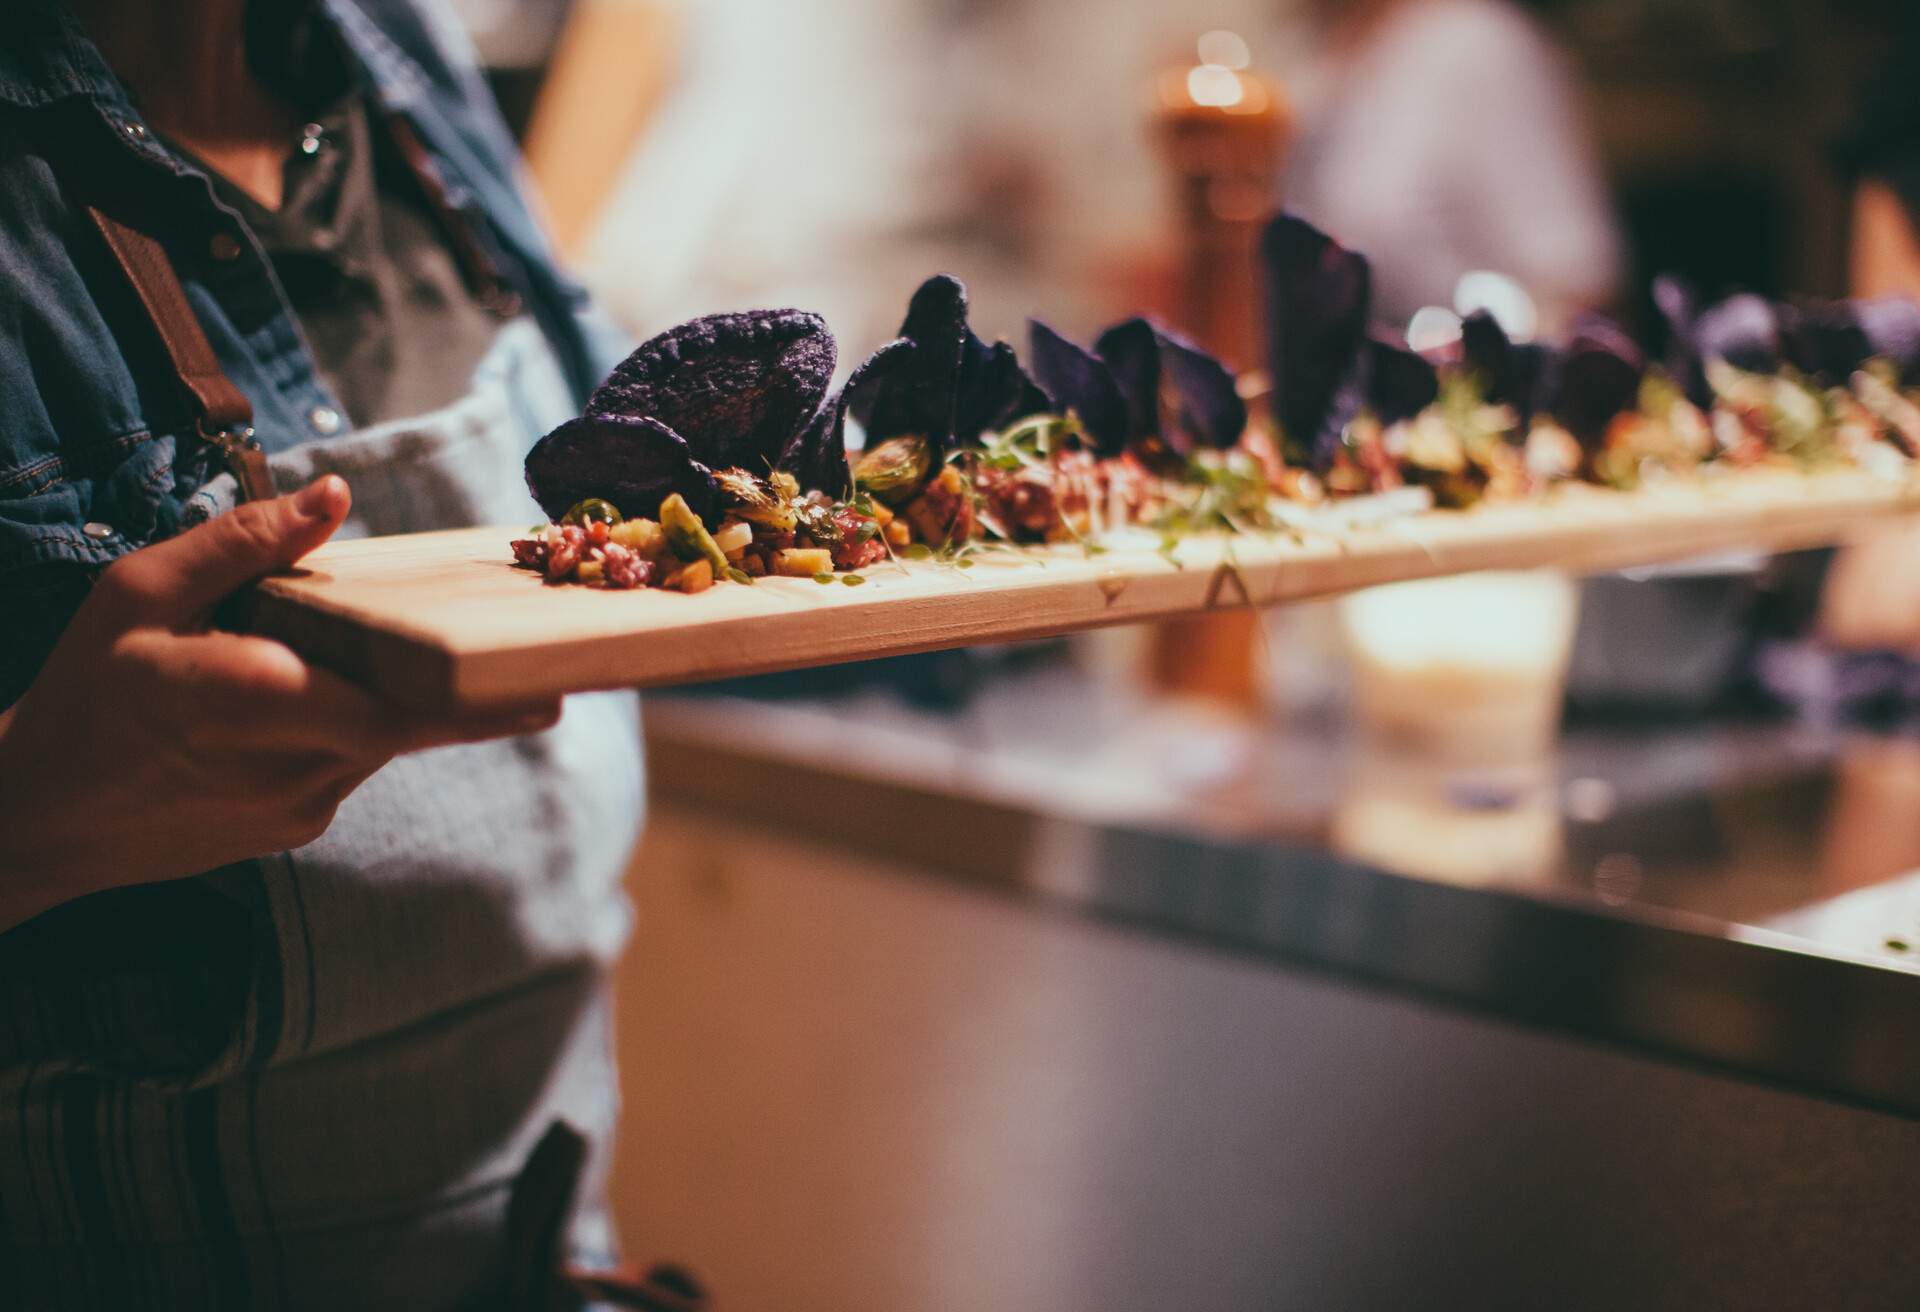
(1515, 374)
(1679, 306)
(1743, 330)
(919, 395)
(1318, 299)
(1892, 328)
(632, 462)
(994, 390)
(1131, 351)
(818, 454)
(1599, 380)
(1080, 381)
(1399, 383)
(1211, 411)
(1148, 362)
(737, 387)
(1824, 339)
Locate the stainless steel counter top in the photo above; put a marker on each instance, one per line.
(1739, 895)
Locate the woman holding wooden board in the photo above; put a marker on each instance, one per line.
(299, 1014)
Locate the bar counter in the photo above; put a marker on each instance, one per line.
(1074, 999)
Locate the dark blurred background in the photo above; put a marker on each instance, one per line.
(1714, 122)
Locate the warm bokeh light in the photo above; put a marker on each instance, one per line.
(1214, 85)
(1433, 328)
(1503, 298)
(1227, 49)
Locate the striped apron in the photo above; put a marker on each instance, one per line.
(313, 1080)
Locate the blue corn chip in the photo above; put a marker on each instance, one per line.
(1679, 306)
(1831, 339)
(736, 386)
(1399, 383)
(919, 395)
(1824, 339)
(1599, 379)
(1150, 363)
(1131, 351)
(994, 390)
(1319, 296)
(632, 462)
(952, 386)
(1743, 330)
(1211, 411)
(1081, 382)
(817, 456)
(1520, 375)
(1891, 325)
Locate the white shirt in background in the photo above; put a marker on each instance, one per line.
(1453, 142)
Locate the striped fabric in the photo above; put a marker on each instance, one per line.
(310, 1081)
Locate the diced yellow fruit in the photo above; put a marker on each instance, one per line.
(589, 571)
(697, 577)
(802, 562)
(882, 512)
(898, 535)
(644, 537)
(733, 538)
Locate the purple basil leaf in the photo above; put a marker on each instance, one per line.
(736, 387)
(1080, 381)
(1318, 301)
(632, 462)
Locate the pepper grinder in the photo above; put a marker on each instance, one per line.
(1223, 132)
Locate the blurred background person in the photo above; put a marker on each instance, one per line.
(1872, 597)
(832, 153)
(1446, 136)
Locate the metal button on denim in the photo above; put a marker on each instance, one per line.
(325, 420)
(99, 532)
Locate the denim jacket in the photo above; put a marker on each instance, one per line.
(98, 452)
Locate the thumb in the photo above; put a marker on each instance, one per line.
(183, 578)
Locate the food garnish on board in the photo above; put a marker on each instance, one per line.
(716, 453)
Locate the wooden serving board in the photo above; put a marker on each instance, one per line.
(441, 621)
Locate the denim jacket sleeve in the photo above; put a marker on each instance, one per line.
(88, 465)
(97, 455)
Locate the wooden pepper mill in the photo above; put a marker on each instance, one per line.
(1223, 131)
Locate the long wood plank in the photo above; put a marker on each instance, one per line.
(442, 620)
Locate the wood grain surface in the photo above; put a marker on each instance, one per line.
(442, 621)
